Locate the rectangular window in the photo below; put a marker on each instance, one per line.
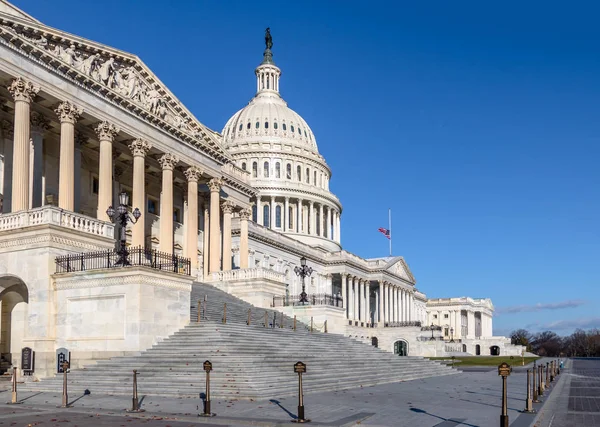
(152, 206)
(95, 185)
(445, 316)
(176, 215)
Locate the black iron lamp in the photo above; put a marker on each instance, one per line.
(122, 216)
(432, 326)
(303, 271)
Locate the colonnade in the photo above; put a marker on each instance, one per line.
(464, 322)
(217, 243)
(307, 217)
(393, 304)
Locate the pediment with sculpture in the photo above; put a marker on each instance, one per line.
(111, 74)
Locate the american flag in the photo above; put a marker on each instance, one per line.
(385, 232)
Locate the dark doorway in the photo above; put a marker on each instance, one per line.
(401, 348)
(464, 348)
(375, 342)
(494, 350)
(477, 350)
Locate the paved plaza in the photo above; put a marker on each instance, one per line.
(469, 399)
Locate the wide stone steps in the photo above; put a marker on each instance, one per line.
(248, 361)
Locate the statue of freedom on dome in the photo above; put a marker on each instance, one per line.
(268, 38)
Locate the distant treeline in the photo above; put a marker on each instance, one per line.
(579, 344)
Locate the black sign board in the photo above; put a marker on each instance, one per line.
(299, 368)
(504, 369)
(27, 360)
(207, 366)
(62, 355)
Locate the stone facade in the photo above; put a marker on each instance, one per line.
(82, 122)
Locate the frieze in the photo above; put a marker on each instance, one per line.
(78, 281)
(110, 75)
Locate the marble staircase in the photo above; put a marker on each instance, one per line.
(249, 362)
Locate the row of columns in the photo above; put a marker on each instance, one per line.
(306, 225)
(393, 303)
(23, 185)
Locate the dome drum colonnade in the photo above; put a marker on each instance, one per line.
(68, 113)
(393, 303)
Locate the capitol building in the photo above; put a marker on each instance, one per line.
(86, 126)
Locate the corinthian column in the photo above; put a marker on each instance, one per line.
(344, 277)
(321, 228)
(167, 163)
(227, 208)
(192, 174)
(356, 314)
(106, 134)
(68, 114)
(245, 215)
(215, 227)
(381, 322)
(205, 236)
(367, 302)
(23, 93)
(311, 219)
(328, 227)
(139, 148)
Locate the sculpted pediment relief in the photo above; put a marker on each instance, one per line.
(399, 268)
(114, 75)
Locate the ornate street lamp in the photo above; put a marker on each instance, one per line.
(303, 271)
(451, 334)
(432, 326)
(122, 216)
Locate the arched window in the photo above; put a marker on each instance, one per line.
(315, 178)
(278, 216)
(254, 213)
(284, 127)
(307, 175)
(299, 131)
(266, 169)
(248, 126)
(277, 170)
(266, 215)
(244, 165)
(321, 180)
(241, 126)
(288, 171)
(257, 125)
(292, 127)
(299, 173)
(266, 125)
(254, 169)
(291, 218)
(275, 125)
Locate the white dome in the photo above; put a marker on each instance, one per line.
(278, 148)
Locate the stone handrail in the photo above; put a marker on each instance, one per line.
(245, 274)
(236, 172)
(56, 216)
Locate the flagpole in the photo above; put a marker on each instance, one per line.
(390, 225)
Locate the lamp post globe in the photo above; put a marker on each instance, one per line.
(303, 271)
(121, 216)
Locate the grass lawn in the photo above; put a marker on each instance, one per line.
(486, 360)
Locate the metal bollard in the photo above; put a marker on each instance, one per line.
(135, 402)
(294, 322)
(206, 413)
(528, 401)
(266, 319)
(311, 323)
(535, 390)
(249, 317)
(224, 312)
(300, 368)
(204, 311)
(199, 310)
(540, 385)
(65, 394)
(325, 326)
(274, 320)
(547, 375)
(14, 400)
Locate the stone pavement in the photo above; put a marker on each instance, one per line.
(576, 401)
(468, 399)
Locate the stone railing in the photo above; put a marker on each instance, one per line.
(236, 172)
(55, 216)
(246, 274)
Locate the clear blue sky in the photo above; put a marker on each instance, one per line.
(477, 123)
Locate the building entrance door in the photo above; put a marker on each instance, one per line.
(401, 348)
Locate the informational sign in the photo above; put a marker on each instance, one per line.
(504, 369)
(207, 366)
(299, 368)
(62, 355)
(27, 360)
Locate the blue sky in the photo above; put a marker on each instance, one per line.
(476, 123)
